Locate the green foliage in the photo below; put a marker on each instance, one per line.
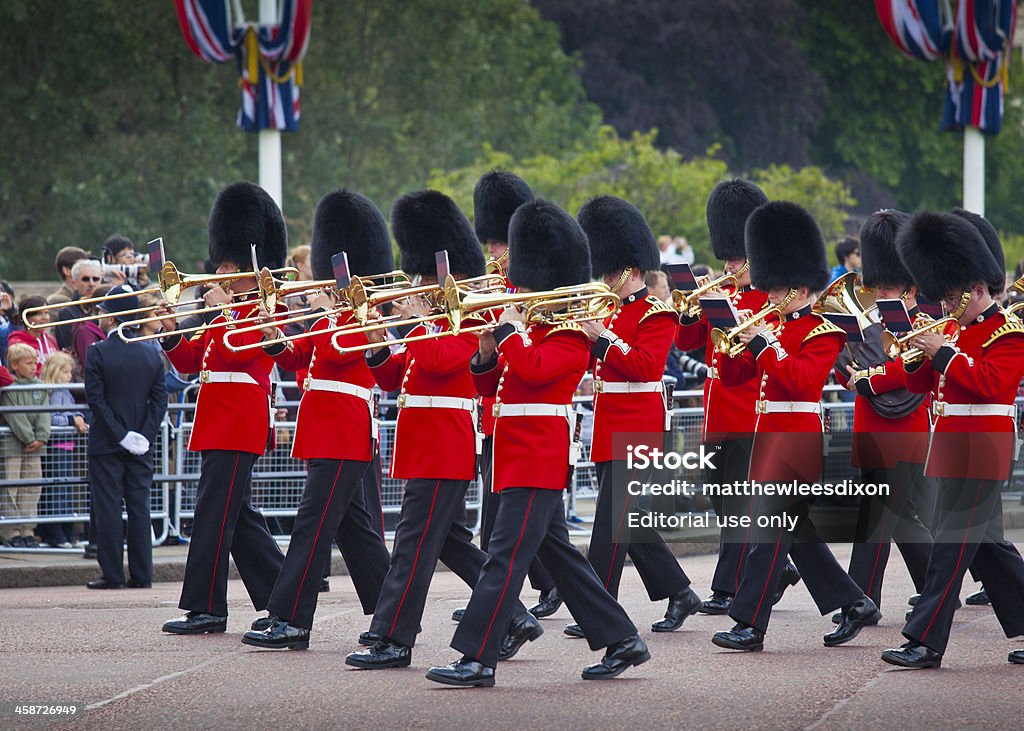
(672, 192)
(116, 126)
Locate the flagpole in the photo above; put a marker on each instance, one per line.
(270, 139)
(974, 170)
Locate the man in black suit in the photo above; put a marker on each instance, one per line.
(124, 385)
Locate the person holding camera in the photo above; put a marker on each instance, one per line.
(121, 265)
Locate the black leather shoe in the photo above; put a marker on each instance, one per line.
(574, 631)
(741, 637)
(1016, 657)
(549, 603)
(912, 601)
(385, 654)
(790, 577)
(466, 673)
(278, 636)
(103, 584)
(978, 599)
(89, 552)
(137, 584)
(325, 585)
(912, 655)
(458, 614)
(522, 629)
(196, 623)
(680, 606)
(369, 639)
(718, 603)
(261, 623)
(856, 617)
(624, 654)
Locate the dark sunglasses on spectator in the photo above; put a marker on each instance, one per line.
(92, 279)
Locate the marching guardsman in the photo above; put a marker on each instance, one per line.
(496, 197)
(973, 381)
(890, 424)
(791, 364)
(435, 438)
(334, 431)
(232, 426)
(533, 369)
(630, 349)
(729, 410)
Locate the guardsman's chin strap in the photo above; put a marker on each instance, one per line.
(626, 274)
(965, 301)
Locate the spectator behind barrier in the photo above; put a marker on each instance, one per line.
(86, 275)
(41, 340)
(848, 255)
(22, 449)
(64, 262)
(7, 314)
(657, 285)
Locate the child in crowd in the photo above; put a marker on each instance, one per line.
(59, 462)
(22, 450)
(43, 342)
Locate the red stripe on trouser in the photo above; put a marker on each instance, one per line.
(743, 551)
(220, 538)
(768, 581)
(878, 558)
(956, 570)
(508, 576)
(312, 548)
(615, 543)
(416, 558)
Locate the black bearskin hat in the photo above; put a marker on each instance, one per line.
(995, 246)
(619, 236)
(350, 222)
(426, 222)
(880, 264)
(244, 214)
(945, 254)
(496, 197)
(547, 248)
(786, 248)
(729, 205)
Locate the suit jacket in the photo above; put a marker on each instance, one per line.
(124, 386)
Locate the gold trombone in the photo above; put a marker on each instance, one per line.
(727, 341)
(499, 265)
(898, 346)
(688, 302)
(578, 303)
(273, 290)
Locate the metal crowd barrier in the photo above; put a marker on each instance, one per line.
(278, 479)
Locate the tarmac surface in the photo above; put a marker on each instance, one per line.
(104, 649)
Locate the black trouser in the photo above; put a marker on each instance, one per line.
(226, 522)
(612, 539)
(881, 521)
(113, 479)
(540, 579)
(969, 533)
(371, 501)
(830, 586)
(428, 530)
(531, 522)
(331, 509)
(732, 465)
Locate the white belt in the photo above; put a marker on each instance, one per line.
(788, 407)
(226, 377)
(323, 384)
(941, 408)
(408, 401)
(624, 387)
(563, 410)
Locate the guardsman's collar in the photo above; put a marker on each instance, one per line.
(914, 312)
(796, 315)
(989, 311)
(638, 295)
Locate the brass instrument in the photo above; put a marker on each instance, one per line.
(843, 296)
(1015, 308)
(688, 303)
(273, 290)
(727, 341)
(579, 303)
(898, 346)
(498, 266)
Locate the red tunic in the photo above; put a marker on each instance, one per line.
(543, 365)
(984, 367)
(230, 416)
(792, 366)
(431, 443)
(881, 442)
(330, 425)
(643, 329)
(487, 402)
(727, 409)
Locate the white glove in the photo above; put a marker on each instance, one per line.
(135, 443)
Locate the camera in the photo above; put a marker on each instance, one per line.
(130, 272)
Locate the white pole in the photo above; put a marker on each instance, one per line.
(270, 139)
(974, 170)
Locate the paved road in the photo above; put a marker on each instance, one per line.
(105, 649)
